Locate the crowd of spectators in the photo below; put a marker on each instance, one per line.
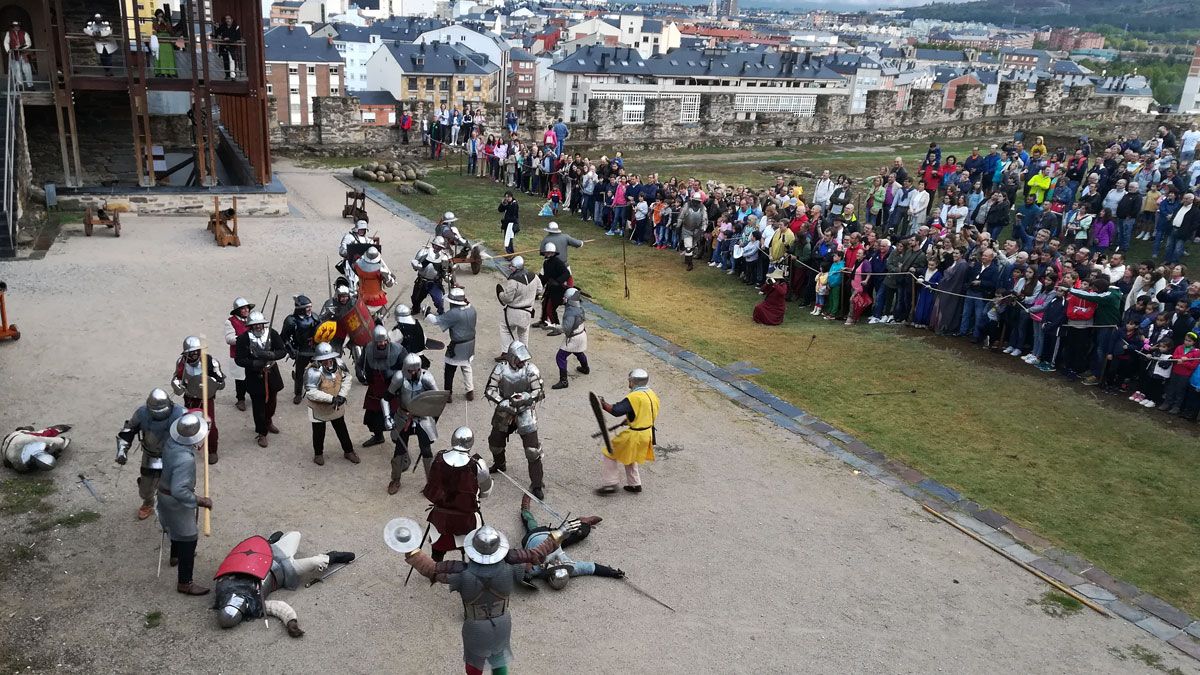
(1021, 250)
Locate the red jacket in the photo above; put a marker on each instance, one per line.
(1190, 360)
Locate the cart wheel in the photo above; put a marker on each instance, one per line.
(476, 264)
(16, 334)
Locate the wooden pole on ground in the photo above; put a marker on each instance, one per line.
(204, 409)
(1032, 570)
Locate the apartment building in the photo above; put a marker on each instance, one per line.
(299, 67)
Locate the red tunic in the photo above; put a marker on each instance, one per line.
(453, 492)
(370, 287)
(770, 310)
(239, 327)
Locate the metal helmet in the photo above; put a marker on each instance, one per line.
(412, 364)
(518, 263)
(553, 228)
(638, 378)
(558, 576)
(342, 289)
(189, 429)
(324, 352)
(462, 439)
(159, 404)
(457, 296)
(302, 301)
(191, 344)
(361, 225)
(379, 334)
(571, 296)
(371, 260)
(240, 302)
(36, 455)
(517, 353)
(486, 545)
(233, 611)
(404, 315)
(256, 319)
(439, 242)
(548, 248)
(448, 217)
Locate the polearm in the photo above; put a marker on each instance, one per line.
(328, 276)
(530, 495)
(890, 393)
(204, 409)
(423, 538)
(522, 252)
(624, 265)
(614, 427)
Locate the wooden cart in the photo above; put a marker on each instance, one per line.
(356, 206)
(101, 216)
(224, 224)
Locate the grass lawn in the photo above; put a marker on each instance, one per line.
(1098, 477)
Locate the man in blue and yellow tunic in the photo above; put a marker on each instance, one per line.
(635, 444)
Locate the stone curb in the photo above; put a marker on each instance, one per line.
(1158, 618)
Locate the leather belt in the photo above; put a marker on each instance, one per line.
(484, 612)
(641, 428)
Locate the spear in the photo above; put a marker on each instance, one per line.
(890, 393)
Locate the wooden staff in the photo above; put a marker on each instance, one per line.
(204, 409)
(509, 256)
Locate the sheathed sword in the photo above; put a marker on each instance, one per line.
(530, 495)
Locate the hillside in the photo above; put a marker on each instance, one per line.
(1151, 16)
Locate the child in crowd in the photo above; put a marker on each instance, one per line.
(1185, 358)
(555, 198)
(822, 288)
(1154, 377)
(834, 281)
(641, 218)
(1125, 360)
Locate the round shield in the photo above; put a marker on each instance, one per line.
(404, 534)
(326, 332)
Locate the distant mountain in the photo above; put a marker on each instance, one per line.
(1154, 16)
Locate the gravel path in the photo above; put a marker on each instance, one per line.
(777, 558)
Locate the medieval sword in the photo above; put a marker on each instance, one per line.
(90, 488)
(332, 572)
(530, 495)
(641, 590)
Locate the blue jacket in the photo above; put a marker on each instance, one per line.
(561, 131)
(991, 162)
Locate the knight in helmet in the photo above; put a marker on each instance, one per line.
(177, 498)
(299, 339)
(257, 352)
(518, 296)
(459, 322)
(693, 222)
(456, 482)
(257, 567)
(373, 276)
(188, 382)
(151, 424)
(574, 338)
(27, 449)
(380, 360)
(635, 444)
(407, 393)
(515, 386)
(354, 243)
(336, 309)
(559, 567)
(326, 386)
(409, 333)
(556, 278)
(486, 582)
(235, 326)
(432, 265)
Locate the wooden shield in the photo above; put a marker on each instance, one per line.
(599, 413)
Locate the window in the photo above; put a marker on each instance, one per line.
(270, 89)
(335, 91)
(412, 84)
(312, 70)
(293, 70)
(368, 116)
(478, 84)
(333, 70)
(392, 117)
(429, 83)
(462, 85)
(268, 69)
(294, 91)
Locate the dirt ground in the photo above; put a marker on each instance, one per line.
(777, 558)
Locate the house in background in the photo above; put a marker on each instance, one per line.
(436, 73)
(300, 66)
(475, 38)
(521, 85)
(377, 107)
(358, 44)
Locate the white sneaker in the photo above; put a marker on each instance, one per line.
(1008, 350)
(1147, 403)
(887, 319)
(872, 320)
(712, 264)
(1016, 352)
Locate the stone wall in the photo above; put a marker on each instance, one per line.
(925, 117)
(337, 127)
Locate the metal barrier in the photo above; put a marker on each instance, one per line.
(167, 56)
(9, 189)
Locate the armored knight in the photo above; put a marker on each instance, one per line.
(485, 582)
(635, 444)
(326, 385)
(336, 309)
(188, 382)
(406, 388)
(409, 333)
(380, 361)
(515, 386)
(373, 276)
(298, 335)
(556, 278)
(257, 567)
(26, 449)
(574, 339)
(432, 267)
(693, 221)
(560, 567)
(151, 423)
(235, 325)
(177, 498)
(459, 322)
(518, 296)
(353, 244)
(457, 481)
(257, 351)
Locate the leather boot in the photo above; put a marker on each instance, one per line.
(426, 462)
(583, 370)
(375, 439)
(399, 464)
(562, 381)
(498, 463)
(191, 588)
(293, 629)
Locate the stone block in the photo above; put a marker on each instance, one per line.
(1130, 614)
(1094, 592)
(1021, 553)
(1159, 629)
(1163, 610)
(1057, 572)
(1186, 644)
(1026, 537)
(1108, 582)
(940, 491)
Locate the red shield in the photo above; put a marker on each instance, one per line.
(358, 324)
(253, 557)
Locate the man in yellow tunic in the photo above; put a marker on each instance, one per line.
(635, 444)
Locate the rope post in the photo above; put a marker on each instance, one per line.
(204, 409)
